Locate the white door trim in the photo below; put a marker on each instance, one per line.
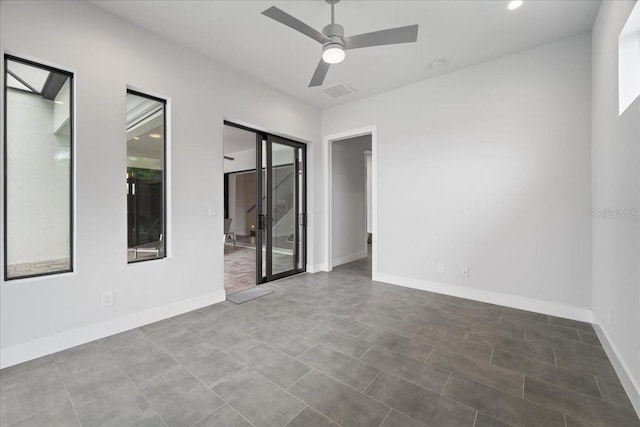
(327, 141)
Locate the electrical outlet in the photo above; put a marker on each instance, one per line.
(465, 271)
(107, 299)
(212, 210)
(440, 267)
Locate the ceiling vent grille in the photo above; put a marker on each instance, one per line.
(338, 90)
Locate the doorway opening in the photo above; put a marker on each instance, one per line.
(264, 207)
(350, 199)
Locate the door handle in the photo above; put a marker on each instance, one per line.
(303, 219)
(261, 222)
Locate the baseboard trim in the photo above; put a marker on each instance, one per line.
(41, 347)
(315, 268)
(499, 298)
(348, 258)
(622, 369)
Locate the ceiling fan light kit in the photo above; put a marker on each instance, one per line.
(333, 41)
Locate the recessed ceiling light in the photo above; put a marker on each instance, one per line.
(136, 138)
(155, 135)
(58, 102)
(514, 4)
(438, 63)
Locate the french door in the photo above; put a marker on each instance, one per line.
(281, 208)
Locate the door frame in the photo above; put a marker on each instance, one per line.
(271, 139)
(327, 148)
(260, 136)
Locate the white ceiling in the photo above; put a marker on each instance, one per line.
(464, 32)
(236, 140)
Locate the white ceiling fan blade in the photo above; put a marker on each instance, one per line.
(319, 74)
(291, 22)
(398, 35)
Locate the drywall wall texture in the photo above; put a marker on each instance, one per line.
(616, 192)
(498, 157)
(348, 199)
(107, 55)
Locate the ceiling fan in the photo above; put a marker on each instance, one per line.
(334, 43)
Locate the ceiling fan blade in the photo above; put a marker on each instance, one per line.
(407, 34)
(288, 20)
(319, 74)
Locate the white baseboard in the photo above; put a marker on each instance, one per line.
(348, 258)
(630, 385)
(41, 347)
(499, 298)
(315, 268)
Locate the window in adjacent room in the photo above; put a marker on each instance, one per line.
(629, 61)
(38, 167)
(146, 168)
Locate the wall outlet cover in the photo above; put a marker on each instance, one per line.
(107, 299)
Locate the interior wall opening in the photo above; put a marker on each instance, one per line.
(351, 178)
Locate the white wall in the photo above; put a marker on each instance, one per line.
(616, 185)
(38, 184)
(348, 199)
(498, 156)
(107, 54)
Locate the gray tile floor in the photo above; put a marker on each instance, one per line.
(326, 350)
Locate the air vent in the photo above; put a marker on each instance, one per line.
(338, 90)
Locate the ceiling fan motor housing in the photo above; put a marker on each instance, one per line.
(335, 33)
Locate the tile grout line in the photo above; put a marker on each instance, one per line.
(564, 416)
(572, 391)
(133, 383)
(385, 417)
(230, 406)
(365, 353)
(372, 381)
(416, 333)
(315, 344)
(355, 389)
(294, 417)
(475, 420)
(301, 378)
(599, 389)
(66, 390)
(493, 349)
(306, 404)
(433, 348)
(445, 383)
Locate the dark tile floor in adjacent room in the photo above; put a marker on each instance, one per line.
(326, 350)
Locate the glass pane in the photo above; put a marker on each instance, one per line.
(283, 214)
(38, 171)
(145, 178)
(263, 227)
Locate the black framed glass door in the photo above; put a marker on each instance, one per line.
(281, 208)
